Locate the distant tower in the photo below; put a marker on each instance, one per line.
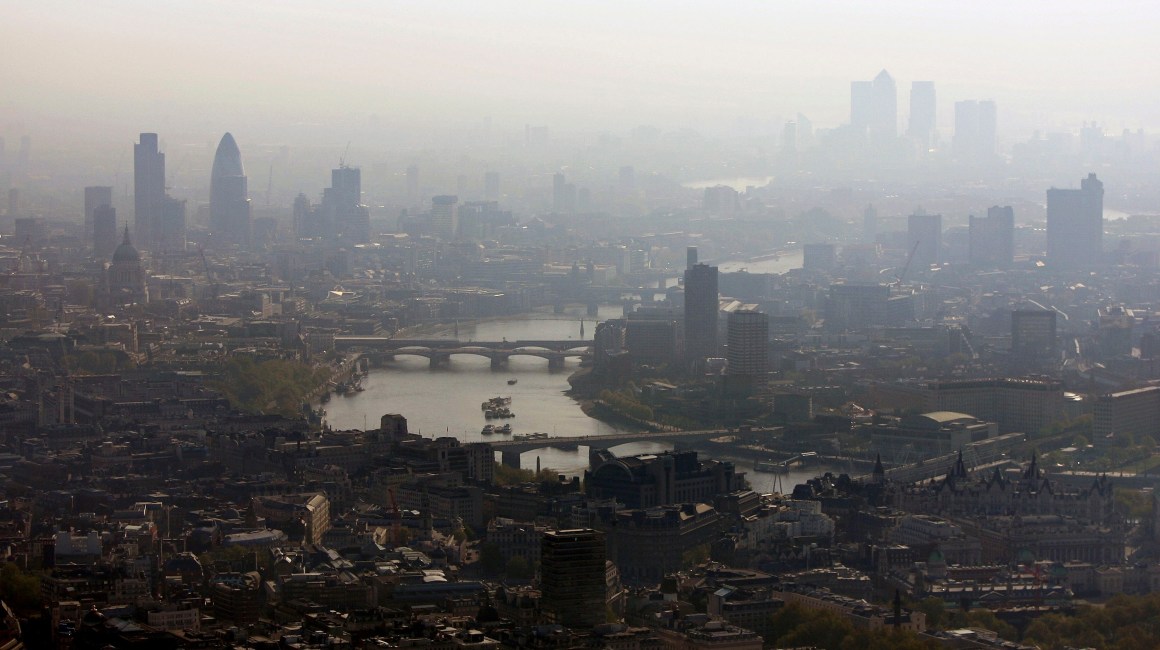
(1033, 338)
(96, 197)
(747, 348)
(104, 231)
(148, 188)
(1075, 225)
(572, 577)
(229, 203)
(701, 312)
(921, 127)
(444, 216)
(874, 107)
(690, 257)
(992, 238)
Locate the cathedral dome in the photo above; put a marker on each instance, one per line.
(125, 252)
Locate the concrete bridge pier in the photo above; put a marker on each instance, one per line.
(499, 362)
(440, 360)
(556, 362)
(511, 458)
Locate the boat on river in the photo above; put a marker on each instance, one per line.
(488, 429)
(512, 382)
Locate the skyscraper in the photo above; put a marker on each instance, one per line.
(148, 188)
(747, 346)
(229, 203)
(444, 219)
(104, 231)
(95, 197)
(572, 581)
(924, 238)
(700, 312)
(1032, 337)
(1075, 225)
(874, 107)
(923, 118)
(992, 238)
(342, 203)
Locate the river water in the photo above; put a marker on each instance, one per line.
(446, 401)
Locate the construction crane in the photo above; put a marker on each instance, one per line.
(906, 267)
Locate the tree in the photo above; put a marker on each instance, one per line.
(19, 589)
(490, 558)
(518, 568)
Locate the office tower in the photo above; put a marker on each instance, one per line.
(563, 195)
(789, 143)
(923, 118)
(347, 185)
(818, 257)
(13, 202)
(1075, 225)
(992, 238)
(975, 129)
(924, 241)
(1032, 337)
(148, 188)
(700, 312)
(169, 230)
(412, 185)
(95, 197)
(229, 202)
(104, 231)
(690, 257)
(491, 186)
(874, 107)
(721, 200)
(572, 577)
(869, 225)
(444, 216)
(747, 341)
(344, 217)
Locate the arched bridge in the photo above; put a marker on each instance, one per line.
(440, 351)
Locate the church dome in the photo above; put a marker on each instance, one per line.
(125, 252)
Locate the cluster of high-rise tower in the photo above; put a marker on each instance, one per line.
(159, 220)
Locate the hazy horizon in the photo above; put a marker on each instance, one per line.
(301, 72)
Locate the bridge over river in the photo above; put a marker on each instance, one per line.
(440, 351)
(511, 449)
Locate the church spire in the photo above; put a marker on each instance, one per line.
(126, 239)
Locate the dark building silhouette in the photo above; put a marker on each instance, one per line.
(96, 197)
(126, 281)
(700, 312)
(690, 257)
(747, 348)
(992, 238)
(148, 189)
(445, 216)
(924, 237)
(104, 231)
(1075, 225)
(229, 202)
(1033, 340)
(572, 582)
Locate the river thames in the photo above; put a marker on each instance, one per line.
(446, 401)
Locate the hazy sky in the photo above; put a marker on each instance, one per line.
(217, 65)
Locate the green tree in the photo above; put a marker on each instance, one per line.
(20, 590)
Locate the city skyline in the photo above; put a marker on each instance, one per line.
(608, 68)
